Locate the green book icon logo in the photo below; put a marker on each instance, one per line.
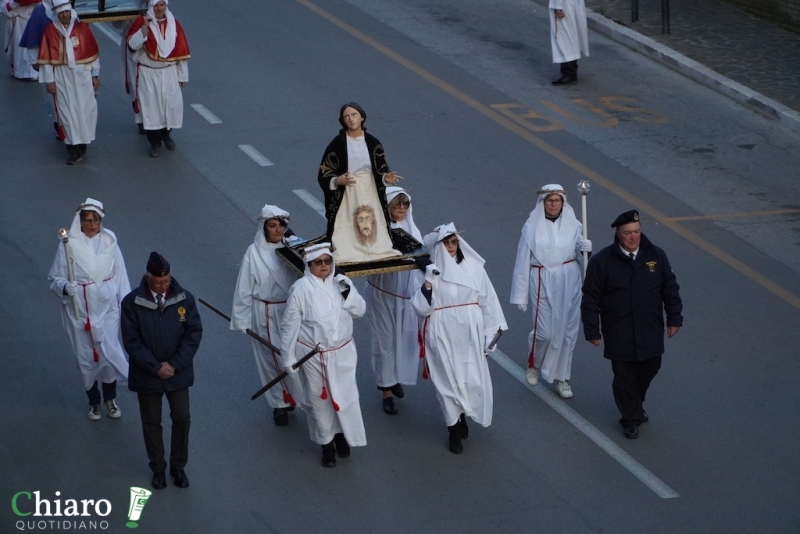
(139, 498)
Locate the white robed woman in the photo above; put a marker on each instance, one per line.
(353, 175)
(547, 272)
(462, 315)
(393, 324)
(99, 285)
(320, 310)
(258, 304)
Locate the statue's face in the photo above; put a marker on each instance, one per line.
(365, 222)
(352, 119)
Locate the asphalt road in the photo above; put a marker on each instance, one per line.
(459, 94)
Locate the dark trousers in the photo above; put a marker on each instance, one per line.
(570, 68)
(109, 392)
(631, 380)
(156, 136)
(150, 412)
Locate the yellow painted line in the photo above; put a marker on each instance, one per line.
(567, 160)
(733, 215)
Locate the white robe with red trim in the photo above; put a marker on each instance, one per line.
(258, 304)
(459, 319)
(101, 297)
(19, 60)
(315, 313)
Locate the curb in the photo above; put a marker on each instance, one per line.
(692, 69)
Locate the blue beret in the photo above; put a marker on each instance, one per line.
(626, 218)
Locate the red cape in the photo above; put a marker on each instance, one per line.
(180, 52)
(52, 51)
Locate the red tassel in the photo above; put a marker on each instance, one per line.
(335, 406)
(87, 326)
(421, 341)
(96, 356)
(530, 360)
(425, 374)
(324, 394)
(288, 399)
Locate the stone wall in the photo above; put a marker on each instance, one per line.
(786, 13)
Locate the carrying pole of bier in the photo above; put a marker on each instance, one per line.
(64, 236)
(583, 189)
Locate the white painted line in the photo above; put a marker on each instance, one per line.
(311, 200)
(256, 155)
(207, 115)
(111, 34)
(600, 439)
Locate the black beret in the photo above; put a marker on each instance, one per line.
(625, 218)
(157, 265)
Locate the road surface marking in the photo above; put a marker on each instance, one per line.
(256, 155)
(563, 157)
(207, 115)
(588, 430)
(733, 215)
(109, 33)
(311, 200)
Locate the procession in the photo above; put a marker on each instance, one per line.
(432, 312)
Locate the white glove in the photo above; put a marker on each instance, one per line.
(586, 246)
(522, 307)
(486, 341)
(431, 272)
(243, 331)
(71, 288)
(342, 280)
(290, 370)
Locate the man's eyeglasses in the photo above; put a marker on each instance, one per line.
(320, 263)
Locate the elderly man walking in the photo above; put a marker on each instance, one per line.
(161, 332)
(160, 49)
(628, 288)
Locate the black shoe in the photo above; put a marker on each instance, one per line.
(566, 80)
(141, 128)
(388, 406)
(168, 142)
(645, 417)
(342, 447)
(631, 432)
(455, 439)
(329, 455)
(397, 391)
(74, 154)
(159, 481)
(82, 150)
(155, 150)
(280, 416)
(181, 480)
(462, 422)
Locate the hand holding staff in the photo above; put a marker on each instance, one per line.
(64, 236)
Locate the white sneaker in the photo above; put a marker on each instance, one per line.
(94, 412)
(113, 410)
(563, 389)
(532, 376)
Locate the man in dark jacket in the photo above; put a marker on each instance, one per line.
(161, 332)
(628, 287)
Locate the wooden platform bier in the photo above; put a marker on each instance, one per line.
(413, 251)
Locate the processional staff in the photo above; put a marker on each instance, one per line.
(583, 189)
(64, 236)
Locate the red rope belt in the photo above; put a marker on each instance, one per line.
(324, 369)
(531, 355)
(423, 333)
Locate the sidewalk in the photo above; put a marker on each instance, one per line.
(748, 59)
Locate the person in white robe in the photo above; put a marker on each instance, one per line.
(462, 316)
(320, 310)
(548, 272)
(569, 37)
(72, 76)
(393, 324)
(161, 52)
(258, 304)
(18, 12)
(99, 284)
